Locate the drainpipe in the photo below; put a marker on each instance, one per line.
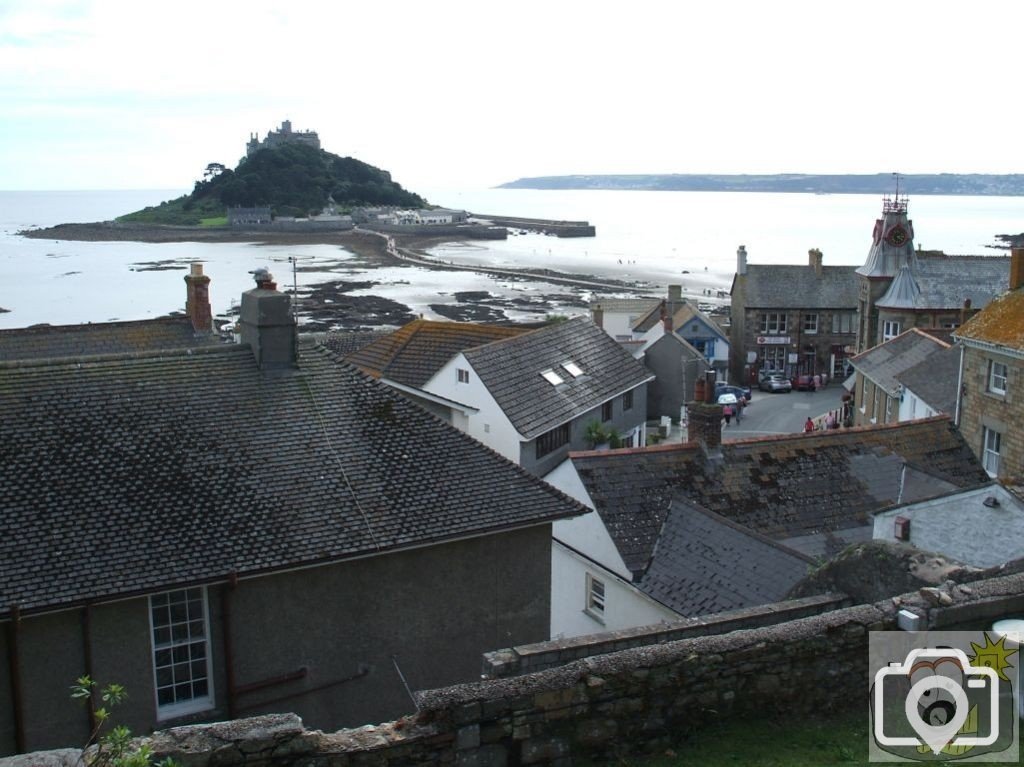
(17, 691)
(959, 388)
(229, 646)
(87, 655)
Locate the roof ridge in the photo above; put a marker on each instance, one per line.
(181, 351)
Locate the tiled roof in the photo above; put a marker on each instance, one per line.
(884, 363)
(53, 341)
(343, 342)
(121, 476)
(685, 312)
(945, 282)
(1000, 323)
(415, 352)
(511, 371)
(787, 286)
(934, 379)
(782, 487)
(628, 305)
(704, 564)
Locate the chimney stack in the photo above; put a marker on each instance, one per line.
(741, 260)
(267, 324)
(666, 317)
(597, 314)
(1016, 268)
(814, 259)
(197, 299)
(965, 311)
(705, 417)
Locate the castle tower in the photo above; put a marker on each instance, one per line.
(892, 248)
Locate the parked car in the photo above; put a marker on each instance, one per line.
(742, 393)
(775, 382)
(803, 383)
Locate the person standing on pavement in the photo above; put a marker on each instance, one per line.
(808, 425)
(727, 412)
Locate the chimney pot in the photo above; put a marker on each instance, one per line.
(741, 260)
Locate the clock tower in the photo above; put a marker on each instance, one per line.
(892, 248)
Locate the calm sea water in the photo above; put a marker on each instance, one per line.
(657, 237)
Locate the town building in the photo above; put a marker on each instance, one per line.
(881, 392)
(234, 529)
(800, 320)
(900, 288)
(239, 216)
(280, 137)
(991, 376)
(687, 321)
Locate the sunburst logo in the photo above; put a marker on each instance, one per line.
(992, 655)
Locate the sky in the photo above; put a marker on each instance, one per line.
(98, 94)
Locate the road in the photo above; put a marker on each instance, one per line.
(782, 413)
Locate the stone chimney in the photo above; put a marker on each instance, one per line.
(597, 314)
(965, 311)
(267, 324)
(1016, 268)
(666, 317)
(814, 260)
(741, 260)
(197, 299)
(705, 417)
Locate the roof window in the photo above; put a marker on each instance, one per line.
(572, 369)
(552, 377)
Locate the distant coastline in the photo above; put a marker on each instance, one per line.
(974, 184)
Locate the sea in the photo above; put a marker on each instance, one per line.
(647, 239)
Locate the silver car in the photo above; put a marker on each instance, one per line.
(775, 382)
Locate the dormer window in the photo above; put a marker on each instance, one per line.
(572, 369)
(552, 377)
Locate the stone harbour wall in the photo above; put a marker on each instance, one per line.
(601, 707)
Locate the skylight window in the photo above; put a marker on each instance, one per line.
(552, 377)
(572, 369)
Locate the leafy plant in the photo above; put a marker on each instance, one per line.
(595, 433)
(114, 748)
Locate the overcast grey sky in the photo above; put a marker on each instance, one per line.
(107, 95)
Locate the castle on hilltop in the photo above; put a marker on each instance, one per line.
(276, 138)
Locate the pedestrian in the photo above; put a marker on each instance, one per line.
(830, 420)
(739, 411)
(808, 425)
(727, 412)
(817, 382)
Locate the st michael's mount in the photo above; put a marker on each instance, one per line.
(973, 184)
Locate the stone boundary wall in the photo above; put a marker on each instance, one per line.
(539, 656)
(479, 232)
(601, 707)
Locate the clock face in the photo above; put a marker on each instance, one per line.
(896, 236)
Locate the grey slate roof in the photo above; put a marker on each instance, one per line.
(629, 305)
(788, 286)
(934, 379)
(51, 341)
(704, 564)
(346, 342)
(120, 476)
(884, 363)
(782, 487)
(945, 282)
(511, 371)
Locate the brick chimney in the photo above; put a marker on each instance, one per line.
(814, 260)
(705, 418)
(267, 323)
(197, 299)
(1016, 268)
(666, 317)
(741, 260)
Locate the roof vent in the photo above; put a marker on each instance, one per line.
(991, 502)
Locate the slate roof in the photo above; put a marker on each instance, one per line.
(51, 341)
(789, 286)
(884, 363)
(120, 476)
(945, 282)
(412, 354)
(934, 379)
(627, 305)
(343, 342)
(1001, 323)
(684, 313)
(704, 563)
(782, 487)
(511, 371)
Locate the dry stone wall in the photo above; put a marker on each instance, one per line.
(601, 707)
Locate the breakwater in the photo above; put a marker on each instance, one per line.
(544, 226)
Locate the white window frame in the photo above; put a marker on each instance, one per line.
(462, 375)
(774, 323)
(843, 322)
(991, 442)
(996, 380)
(190, 705)
(811, 324)
(596, 598)
(890, 329)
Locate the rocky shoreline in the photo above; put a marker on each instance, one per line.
(329, 305)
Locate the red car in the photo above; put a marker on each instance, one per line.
(803, 383)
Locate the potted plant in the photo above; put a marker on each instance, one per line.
(596, 436)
